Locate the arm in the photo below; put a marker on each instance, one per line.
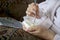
(47, 23)
(41, 31)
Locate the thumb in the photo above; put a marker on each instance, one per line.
(32, 29)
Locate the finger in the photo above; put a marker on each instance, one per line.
(35, 33)
(33, 7)
(32, 29)
(35, 11)
(24, 27)
(31, 4)
(30, 13)
(36, 28)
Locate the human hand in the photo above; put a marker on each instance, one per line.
(33, 10)
(41, 32)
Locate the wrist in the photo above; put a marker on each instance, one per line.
(52, 35)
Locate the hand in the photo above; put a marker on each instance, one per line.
(33, 10)
(41, 32)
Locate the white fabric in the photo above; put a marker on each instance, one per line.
(47, 23)
(57, 21)
(57, 37)
(57, 18)
(51, 0)
(44, 7)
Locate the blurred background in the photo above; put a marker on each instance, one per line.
(14, 8)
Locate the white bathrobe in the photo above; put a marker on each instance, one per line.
(51, 9)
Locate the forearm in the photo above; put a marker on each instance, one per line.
(49, 34)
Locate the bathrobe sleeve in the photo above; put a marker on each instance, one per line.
(48, 23)
(57, 23)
